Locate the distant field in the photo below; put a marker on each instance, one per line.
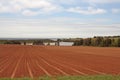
(18, 61)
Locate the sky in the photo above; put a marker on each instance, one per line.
(59, 18)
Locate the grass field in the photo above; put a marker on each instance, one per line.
(96, 77)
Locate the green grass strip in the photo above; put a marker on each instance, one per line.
(96, 77)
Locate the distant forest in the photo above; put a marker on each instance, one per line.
(34, 41)
(106, 41)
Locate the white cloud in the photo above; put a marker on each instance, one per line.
(30, 7)
(68, 2)
(102, 1)
(89, 10)
(29, 13)
(48, 28)
(37, 7)
(115, 11)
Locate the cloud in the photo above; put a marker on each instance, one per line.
(37, 7)
(48, 28)
(30, 7)
(89, 10)
(115, 10)
(102, 1)
(29, 13)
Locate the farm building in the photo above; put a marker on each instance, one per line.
(49, 43)
(26, 43)
(59, 43)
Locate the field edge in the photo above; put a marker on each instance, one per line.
(91, 77)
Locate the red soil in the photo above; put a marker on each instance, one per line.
(35, 61)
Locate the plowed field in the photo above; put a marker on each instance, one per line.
(35, 61)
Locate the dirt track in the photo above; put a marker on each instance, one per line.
(35, 61)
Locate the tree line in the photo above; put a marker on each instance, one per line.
(35, 42)
(99, 41)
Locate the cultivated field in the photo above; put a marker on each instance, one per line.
(36, 61)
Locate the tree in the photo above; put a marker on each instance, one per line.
(39, 42)
(48, 43)
(116, 42)
(119, 42)
(106, 42)
(78, 43)
(96, 41)
(87, 42)
(58, 41)
(12, 42)
(81, 42)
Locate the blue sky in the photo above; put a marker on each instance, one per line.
(59, 18)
